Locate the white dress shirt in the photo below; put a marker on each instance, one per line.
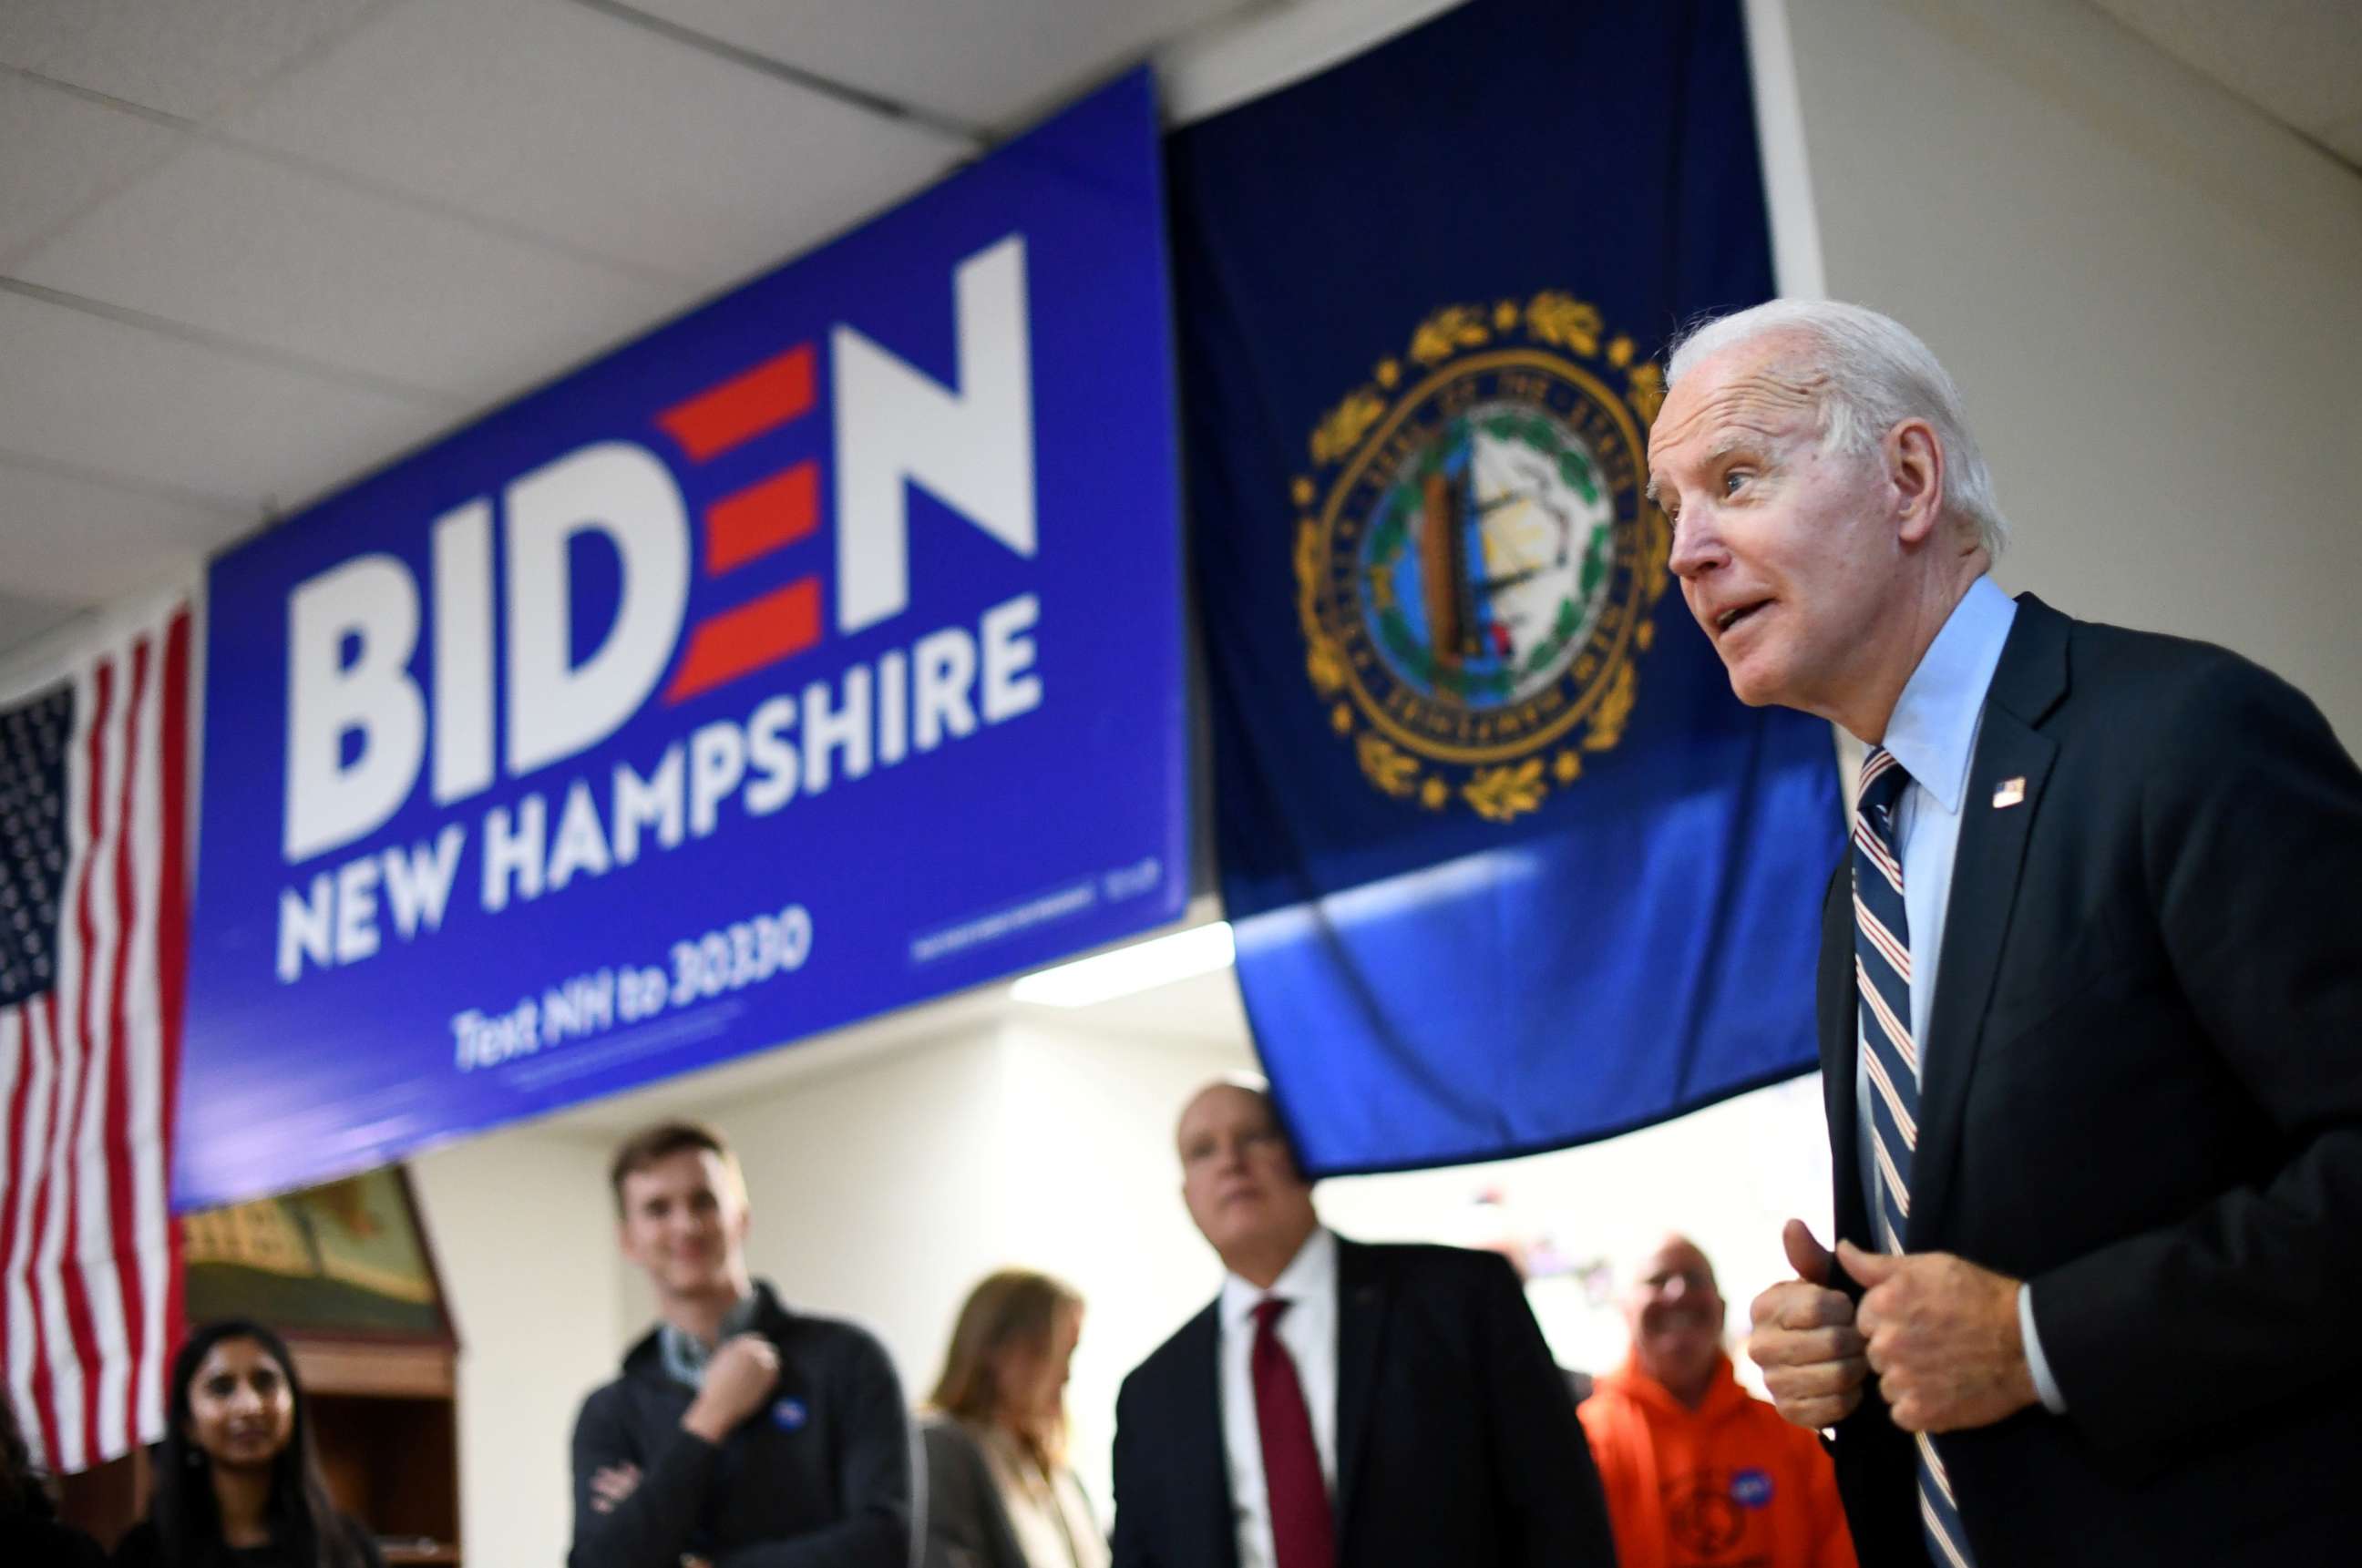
(1933, 735)
(1308, 1329)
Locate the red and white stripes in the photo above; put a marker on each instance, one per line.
(89, 1255)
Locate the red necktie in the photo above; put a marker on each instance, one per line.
(1302, 1534)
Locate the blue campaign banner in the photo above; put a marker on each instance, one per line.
(1508, 865)
(816, 654)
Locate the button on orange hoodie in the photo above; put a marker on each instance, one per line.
(1728, 1485)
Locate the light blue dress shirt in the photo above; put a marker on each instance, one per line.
(1933, 735)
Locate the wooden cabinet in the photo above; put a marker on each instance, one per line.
(385, 1420)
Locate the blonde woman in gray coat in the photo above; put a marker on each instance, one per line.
(999, 1493)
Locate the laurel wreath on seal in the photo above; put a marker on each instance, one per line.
(1504, 792)
(1389, 767)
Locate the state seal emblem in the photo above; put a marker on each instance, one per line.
(1475, 563)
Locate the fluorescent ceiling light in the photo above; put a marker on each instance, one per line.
(1142, 966)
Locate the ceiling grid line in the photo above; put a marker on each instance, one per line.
(228, 343)
(164, 117)
(454, 211)
(202, 132)
(106, 478)
(106, 191)
(303, 58)
(879, 103)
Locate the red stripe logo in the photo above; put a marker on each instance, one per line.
(750, 523)
(747, 405)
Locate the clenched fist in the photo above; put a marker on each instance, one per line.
(1943, 1338)
(737, 1380)
(1805, 1338)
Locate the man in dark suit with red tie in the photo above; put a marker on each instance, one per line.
(2090, 1001)
(1342, 1406)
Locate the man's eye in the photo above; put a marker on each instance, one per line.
(1733, 479)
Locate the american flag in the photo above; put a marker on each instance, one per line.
(93, 934)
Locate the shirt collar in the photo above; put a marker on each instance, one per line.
(684, 1355)
(1933, 731)
(1310, 1275)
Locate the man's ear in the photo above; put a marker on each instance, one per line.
(1914, 468)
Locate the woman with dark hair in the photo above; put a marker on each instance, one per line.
(1000, 1493)
(237, 1483)
(30, 1534)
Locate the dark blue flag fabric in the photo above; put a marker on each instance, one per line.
(1510, 868)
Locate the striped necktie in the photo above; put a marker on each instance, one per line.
(1881, 971)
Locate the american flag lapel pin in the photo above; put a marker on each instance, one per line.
(2009, 792)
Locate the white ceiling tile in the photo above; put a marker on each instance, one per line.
(610, 138)
(393, 214)
(59, 153)
(85, 542)
(1220, 67)
(994, 65)
(234, 244)
(110, 399)
(193, 58)
(24, 618)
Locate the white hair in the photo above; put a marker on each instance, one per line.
(1874, 373)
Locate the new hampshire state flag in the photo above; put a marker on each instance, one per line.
(1509, 866)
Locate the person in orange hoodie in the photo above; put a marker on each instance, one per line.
(1698, 1472)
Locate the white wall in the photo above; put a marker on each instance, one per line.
(1093, 1156)
(878, 1191)
(524, 1233)
(2150, 294)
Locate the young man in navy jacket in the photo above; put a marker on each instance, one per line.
(741, 1434)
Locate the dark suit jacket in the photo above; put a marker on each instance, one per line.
(1456, 1442)
(2143, 1095)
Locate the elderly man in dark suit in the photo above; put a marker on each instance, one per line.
(1342, 1406)
(2090, 1001)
